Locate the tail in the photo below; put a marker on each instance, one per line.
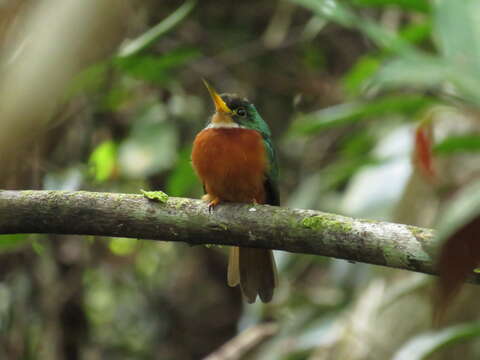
(254, 269)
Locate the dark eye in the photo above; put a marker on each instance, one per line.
(241, 112)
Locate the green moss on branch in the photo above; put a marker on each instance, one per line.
(187, 220)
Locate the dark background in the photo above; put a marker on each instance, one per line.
(344, 86)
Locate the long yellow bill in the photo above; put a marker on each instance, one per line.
(220, 105)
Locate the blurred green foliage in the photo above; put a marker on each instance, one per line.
(342, 85)
(346, 113)
(103, 161)
(423, 346)
(13, 242)
(455, 144)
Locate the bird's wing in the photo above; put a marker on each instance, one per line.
(271, 177)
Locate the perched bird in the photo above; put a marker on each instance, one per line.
(236, 162)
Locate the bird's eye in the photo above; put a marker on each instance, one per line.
(241, 112)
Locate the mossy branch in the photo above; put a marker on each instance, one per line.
(187, 220)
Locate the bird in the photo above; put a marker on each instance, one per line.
(236, 161)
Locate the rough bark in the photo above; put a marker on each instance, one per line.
(187, 220)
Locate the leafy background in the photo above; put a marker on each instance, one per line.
(373, 106)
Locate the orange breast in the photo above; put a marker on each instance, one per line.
(231, 163)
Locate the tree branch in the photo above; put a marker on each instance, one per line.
(299, 231)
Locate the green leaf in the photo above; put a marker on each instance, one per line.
(458, 37)
(148, 38)
(13, 241)
(359, 73)
(457, 144)
(339, 115)
(366, 68)
(415, 5)
(338, 12)
(419, 70)
(357, 144)
(122, 246)
(159, 196)
(424, 71)
(458, 32)
(417, 32)
(90, 79)
(424, 345)
(117, 96)
(156, 69)
(38, 247)
(103, 161)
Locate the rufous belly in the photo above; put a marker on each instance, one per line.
(231, 163)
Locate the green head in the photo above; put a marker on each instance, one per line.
(233, 111)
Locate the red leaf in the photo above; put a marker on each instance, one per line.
(423, 151)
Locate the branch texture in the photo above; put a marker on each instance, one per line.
(179, 219)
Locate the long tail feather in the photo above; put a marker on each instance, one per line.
(233, 274)
(268, 276)
(255, 270)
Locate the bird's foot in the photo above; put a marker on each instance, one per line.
(207, 197)
(212, 204)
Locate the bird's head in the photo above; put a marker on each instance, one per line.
(233, 111)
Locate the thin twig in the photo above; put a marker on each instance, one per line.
(244, 342)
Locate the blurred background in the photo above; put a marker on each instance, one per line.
(373, 105)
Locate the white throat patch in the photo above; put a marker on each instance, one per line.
(224, 125)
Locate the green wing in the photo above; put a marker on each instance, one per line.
(271, 178)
